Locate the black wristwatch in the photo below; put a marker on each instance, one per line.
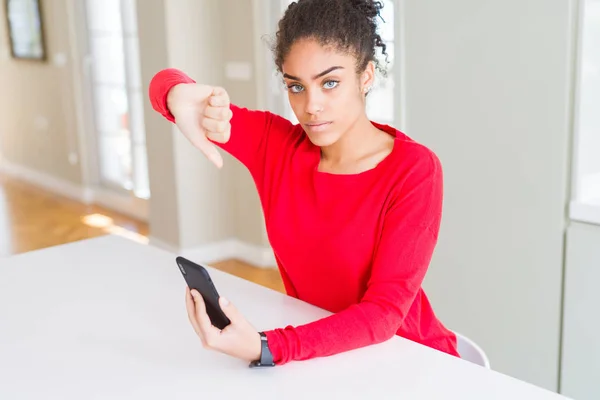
(266, 357)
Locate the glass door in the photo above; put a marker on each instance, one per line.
(117, 97)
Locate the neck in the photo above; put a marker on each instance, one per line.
(354, 144)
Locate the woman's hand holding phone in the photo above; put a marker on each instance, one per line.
(202, 112)
(239, 339)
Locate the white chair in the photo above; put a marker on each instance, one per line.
(470, 351)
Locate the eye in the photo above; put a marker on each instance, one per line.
(331, 84)
(295, 88)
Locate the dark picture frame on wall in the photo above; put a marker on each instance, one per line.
(25, 29)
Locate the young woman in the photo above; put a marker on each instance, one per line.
(352, 207)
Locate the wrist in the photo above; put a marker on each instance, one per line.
(160, 88)
(171, 96)
(256, 348)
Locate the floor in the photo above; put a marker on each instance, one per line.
(32, 218)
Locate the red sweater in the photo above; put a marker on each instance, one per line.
(356, 245)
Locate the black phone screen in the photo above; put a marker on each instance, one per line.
(197, 277)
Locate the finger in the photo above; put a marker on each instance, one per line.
(191, 311)
(219, 97)
(219, 132)
(219, 113)
(204, 323)
(219, 137)
(215, 125)
(229, 309)
(198, 138)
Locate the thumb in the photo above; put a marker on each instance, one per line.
(229, 309)
(188, 126)
(209, 150)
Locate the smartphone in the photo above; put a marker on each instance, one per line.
(197, 277)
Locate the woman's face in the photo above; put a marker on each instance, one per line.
(325, 92)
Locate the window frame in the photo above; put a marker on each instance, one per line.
(579, 209)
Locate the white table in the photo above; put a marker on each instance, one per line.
(105, 319)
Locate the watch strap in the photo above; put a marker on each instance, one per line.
(266, 357)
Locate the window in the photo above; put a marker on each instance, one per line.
(585, 205)
(381, 100)
(117, 96)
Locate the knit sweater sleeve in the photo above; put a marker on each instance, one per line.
(407, 240)
(255, 134)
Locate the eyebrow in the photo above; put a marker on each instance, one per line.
(328, 70)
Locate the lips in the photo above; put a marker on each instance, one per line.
(317, 126)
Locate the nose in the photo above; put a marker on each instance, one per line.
(314, 102)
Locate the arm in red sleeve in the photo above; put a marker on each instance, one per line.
(403, 254)
(252, 131)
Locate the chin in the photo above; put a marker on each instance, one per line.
(320, 141)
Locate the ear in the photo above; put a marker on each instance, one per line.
(367, 78)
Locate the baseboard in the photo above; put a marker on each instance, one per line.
(152, 241)
(45, 181)
(214, 252)
(130, 206)
(260, 256)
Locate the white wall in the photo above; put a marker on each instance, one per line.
(196, 208)
(487, 88)
(163, 217)
(204, 194)
(190, 197)
(38, 130)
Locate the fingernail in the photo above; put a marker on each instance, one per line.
(224, 301)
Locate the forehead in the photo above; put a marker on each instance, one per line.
(307, 57)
